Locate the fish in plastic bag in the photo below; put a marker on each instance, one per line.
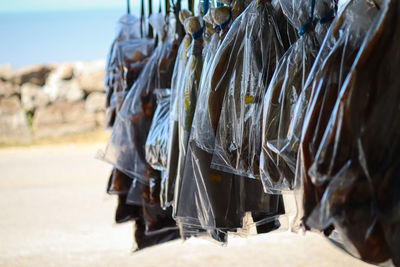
(128, 54)
(202, 133)
(168, 180)
(157, 139)
(315, 105)
(126, 147)
(186, 99)
(249, 57)
(278, 157)
(357, 162)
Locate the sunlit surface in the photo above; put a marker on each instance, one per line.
(55, 212)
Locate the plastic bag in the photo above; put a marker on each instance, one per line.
(157, 139)
(224, 199)
(215, 202)
(126, 147)
(315, 105)
(156, 220)
(186, 99)
(186, 213)
(154, 225)
(168, 181)
(144, 239)
(128, 27)
(278, 157)
(356, 163)
(202, 133)
(235, 102)
(118, 183)
(124, 64)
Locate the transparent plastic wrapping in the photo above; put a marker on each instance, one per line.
(187, 215)
(202, 133)
(247, 60)
(128, 27)
(224, 199)
(126, 147)
(168, 181)
(315, 105)
(144, 239)
(186, 196)
(131, 57)
(126, 58)
(155, 219)
(278, 156)
(354, 164)
(209, 201)
(134, 196)
(157, 139)
(186, 104)
(118, 183)
(125, 212)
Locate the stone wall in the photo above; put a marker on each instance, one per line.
(51, 100)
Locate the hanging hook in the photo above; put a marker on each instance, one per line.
(128, 7)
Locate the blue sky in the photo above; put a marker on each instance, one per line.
(46, 5)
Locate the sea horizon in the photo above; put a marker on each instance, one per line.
(57, 36)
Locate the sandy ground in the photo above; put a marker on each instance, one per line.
(54, 212)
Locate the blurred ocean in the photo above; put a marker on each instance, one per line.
(57, 36)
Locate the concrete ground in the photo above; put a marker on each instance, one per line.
(54, 212)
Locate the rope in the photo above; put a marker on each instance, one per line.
(198, 34)
(330, 15)
(128, 7)
(206, 6)
(310, 21)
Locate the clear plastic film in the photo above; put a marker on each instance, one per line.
(157, 139)
(168, 181)
(155, 219)
(132, 55)
(188, 211)
(118, 183)
(355, 166)
(278, 155)
(145, 239)
(211, 200)
(315, 105)
(187, 215)
(126, 147)
(119, 61)
(202, 133)
(186, 104)
(188, 208)
(225, 199)
(238, 85)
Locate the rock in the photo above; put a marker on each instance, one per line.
(14, 126)
(33, 96)
(32, 74)
(95, 102)
(101, 119)
(62, 90)
(7, 72)
(8, 89)
(63, 118)
(91, 76)
(66, 72)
